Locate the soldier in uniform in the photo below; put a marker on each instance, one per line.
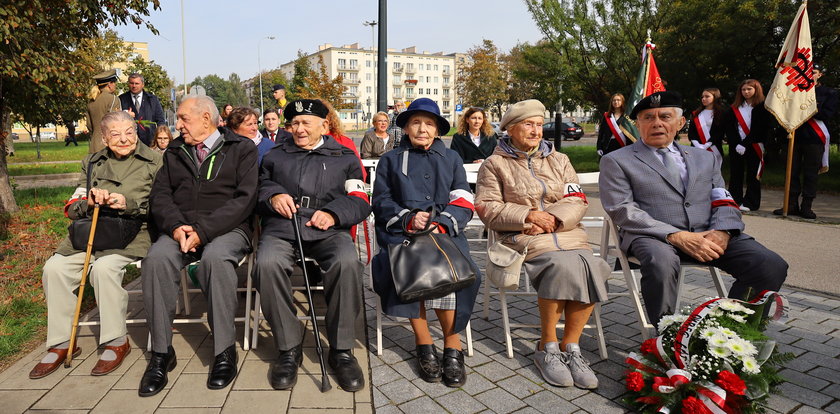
(104, 101)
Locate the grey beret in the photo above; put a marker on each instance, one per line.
(522, 110)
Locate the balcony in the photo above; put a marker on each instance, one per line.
(447, 72)
(398, 69)
(351, 81)
(410, 70)
(410, 95)
(397, 95)
(397, 82)
(348, 67)
(446, 96)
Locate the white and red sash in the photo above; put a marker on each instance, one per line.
(613, 124)
(745, 130)
(822, 131)
(703, 125)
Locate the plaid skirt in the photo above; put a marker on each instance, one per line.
(445, 303)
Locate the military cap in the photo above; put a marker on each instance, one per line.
(277, 87)
(110, 75)
(664, 99)
(305, 107)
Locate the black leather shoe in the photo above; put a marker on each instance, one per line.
(283, 375)
(454, 373)
(428, 363)
(154, 379)
(223, 370)
(348, 373)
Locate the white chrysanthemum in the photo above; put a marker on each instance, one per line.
(717, 340)
(740, 346)
(751, 365)
(738, 318)
(729, 305)
(708, 333)
(719, 351)
(669, 320)
(728, 332)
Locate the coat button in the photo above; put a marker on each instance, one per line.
(427, 176)
(95, 183)
(688, 205)
(428, 197)
(691, 229)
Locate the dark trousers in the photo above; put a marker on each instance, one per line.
(216, 273)
(751, 264)
(737, 164)
(341, 271)
(807, 160)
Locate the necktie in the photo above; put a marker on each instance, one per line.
(137, 102)
(670, 166)
(201, 152)
(271, 135)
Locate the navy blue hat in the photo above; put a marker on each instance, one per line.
(664, 99)
(305, 107)
(424, 105)
(278, 87)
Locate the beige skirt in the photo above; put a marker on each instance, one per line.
(575, 275)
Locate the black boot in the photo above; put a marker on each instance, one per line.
(428, 363)
(154, 379)
(223, 370)
(283, 375)
(454, 373)
(793, 206)
(348, 373)
(805, 211)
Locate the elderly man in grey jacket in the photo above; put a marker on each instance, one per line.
(670, 202)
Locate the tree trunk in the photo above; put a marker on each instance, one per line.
(7, 198)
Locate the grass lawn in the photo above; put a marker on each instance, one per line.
(50, 151)
(584, 159)
(34, 233)
(39, 169)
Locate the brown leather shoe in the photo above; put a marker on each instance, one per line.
(41, 370)
(105, 367)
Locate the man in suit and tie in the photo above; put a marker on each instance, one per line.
(143, 106)
(670, 202)
(272, 130)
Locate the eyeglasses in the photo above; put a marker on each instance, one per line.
(532, 125)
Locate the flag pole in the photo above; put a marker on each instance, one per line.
(787, 173)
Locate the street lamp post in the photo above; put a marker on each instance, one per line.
(372, 24)
(259, 67)
(368, 111)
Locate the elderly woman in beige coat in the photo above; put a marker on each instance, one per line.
(529, 194)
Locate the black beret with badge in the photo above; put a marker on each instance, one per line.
(664, 99)
(305, 107)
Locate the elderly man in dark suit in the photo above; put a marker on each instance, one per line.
(143, 106)
(670, 203)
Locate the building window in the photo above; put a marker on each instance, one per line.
(397, 91)
(354, 90)
(368, 76)
(428, 91)
(342, 63)
(428, 78)
(445, 104)
(409, 66)
(436, 79)
(397, 65)
(397, 79)
(436, 67)
(353, 76)
(428, 66)
(368, 63)
(436, 92)
(354, 63)
(367, 89)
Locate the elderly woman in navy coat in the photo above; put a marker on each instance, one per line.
(422, 173)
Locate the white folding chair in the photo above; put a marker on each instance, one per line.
(633, 286)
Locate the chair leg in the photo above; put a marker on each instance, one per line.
(602, 344)
(721, 288)
(632, 288)
(378, 326)
(246, 340)
(257, 314)
(485, 313)
(506, 323)
(469, 339)
(185, 291)
(680, 281)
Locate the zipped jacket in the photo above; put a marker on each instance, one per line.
(215, 198)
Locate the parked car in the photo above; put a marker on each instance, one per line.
(15, 136)
(47, 135)
(568, 130)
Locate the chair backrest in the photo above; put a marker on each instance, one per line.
(588, 178)
(472, 172)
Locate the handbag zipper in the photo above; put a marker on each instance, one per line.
(452, 268)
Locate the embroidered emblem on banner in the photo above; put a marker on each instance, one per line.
(800, 75)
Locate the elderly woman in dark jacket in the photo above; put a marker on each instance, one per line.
(475, 139)
(121, 177)
(423, 173)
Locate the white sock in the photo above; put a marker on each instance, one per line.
(51, 357)
(110, 355)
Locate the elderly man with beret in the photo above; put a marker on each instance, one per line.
(201, 202)
(670, 203)
(320, 180)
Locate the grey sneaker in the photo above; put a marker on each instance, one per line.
(583, 376)
(551, 365)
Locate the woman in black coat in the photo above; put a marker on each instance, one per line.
(746, 126)
(616, 128)
(475, 139)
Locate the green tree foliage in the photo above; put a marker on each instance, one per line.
(536, 73)
(37, 62)
(483, 81)
(301, 72)
(269, 79)
(155, 77)
(319, 85)
(223, 91)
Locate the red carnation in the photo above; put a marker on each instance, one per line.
(693, 405)
(731, 382)
(635, 381)
(649, 346)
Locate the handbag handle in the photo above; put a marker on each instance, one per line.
(426, 230)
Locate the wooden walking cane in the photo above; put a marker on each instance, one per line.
(68, 362)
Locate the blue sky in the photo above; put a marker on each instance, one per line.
(222, 36)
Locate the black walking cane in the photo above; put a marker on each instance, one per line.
(325, 381)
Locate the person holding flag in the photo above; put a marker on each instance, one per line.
(616, 129)
(746, 126)
(706, 131)
(810, 151)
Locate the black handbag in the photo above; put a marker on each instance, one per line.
(428, 265)
(112, 230)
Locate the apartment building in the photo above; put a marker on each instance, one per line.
(411, 75)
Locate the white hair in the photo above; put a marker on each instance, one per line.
(205, 104)
(114, 117)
